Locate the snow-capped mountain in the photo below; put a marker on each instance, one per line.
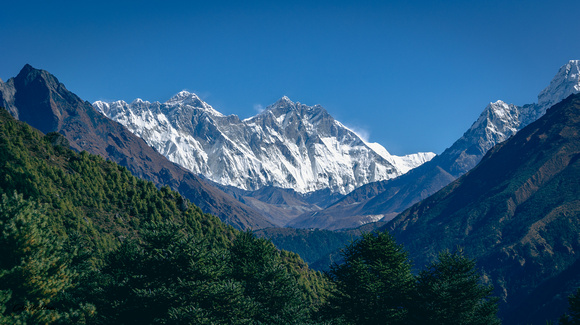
(499, 120)
(565, 83)
(288, 145)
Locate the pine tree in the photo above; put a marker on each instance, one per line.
(274, 293)
(374, 283)
(573, 316)
(449, 292)
(169, 277)
(33, 269)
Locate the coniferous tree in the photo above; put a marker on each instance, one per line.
(573, 315)
(34, 272)
(374, 283)
(168, 275)
(449, 292)
(276, 297)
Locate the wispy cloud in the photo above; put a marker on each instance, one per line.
(258, 108)
(363, 133)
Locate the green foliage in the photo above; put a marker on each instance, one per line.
(85, 193)
(161, 277)
(374, 283)
(573, 316)
(34, 269)
(172, 277)
(449, 292)
(258, 265)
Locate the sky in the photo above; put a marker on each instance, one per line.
(410, 75)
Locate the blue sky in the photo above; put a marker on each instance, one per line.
(411, 75)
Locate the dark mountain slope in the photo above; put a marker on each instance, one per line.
(517, 212)
(38, 98)
(384, 199)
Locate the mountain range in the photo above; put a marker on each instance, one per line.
(289, 145)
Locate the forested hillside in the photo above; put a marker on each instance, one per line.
(84, 241)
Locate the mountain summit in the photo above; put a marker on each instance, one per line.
(566, 82)
(288, 145)
(187, 99)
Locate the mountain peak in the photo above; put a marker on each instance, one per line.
(284, 101)
(185, 97)
(565, 83)
(27, 71)
(139, 101)
(27, 68)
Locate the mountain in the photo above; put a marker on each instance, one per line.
(289, 145)
(39, 99)
(385, 199)
(517, 213)
(86, 242)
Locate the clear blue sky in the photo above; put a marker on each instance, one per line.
(411, 75)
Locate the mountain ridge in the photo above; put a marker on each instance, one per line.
(38, 98)
(287, 145)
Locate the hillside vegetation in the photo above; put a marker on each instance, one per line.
(85, 242)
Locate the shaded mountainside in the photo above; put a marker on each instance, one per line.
(517, 212)
(385, 199)
(38, 98)
(86, 193)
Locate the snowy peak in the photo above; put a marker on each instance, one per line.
(284, 101)
(565, 83)
(191, 100)
(284, 105)
(500, 120)
(498, 115)
(185, 97)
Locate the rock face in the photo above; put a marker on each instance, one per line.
(39, 99)
(517, 213)
(566, 82)
(289, 145)
(385, 199)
